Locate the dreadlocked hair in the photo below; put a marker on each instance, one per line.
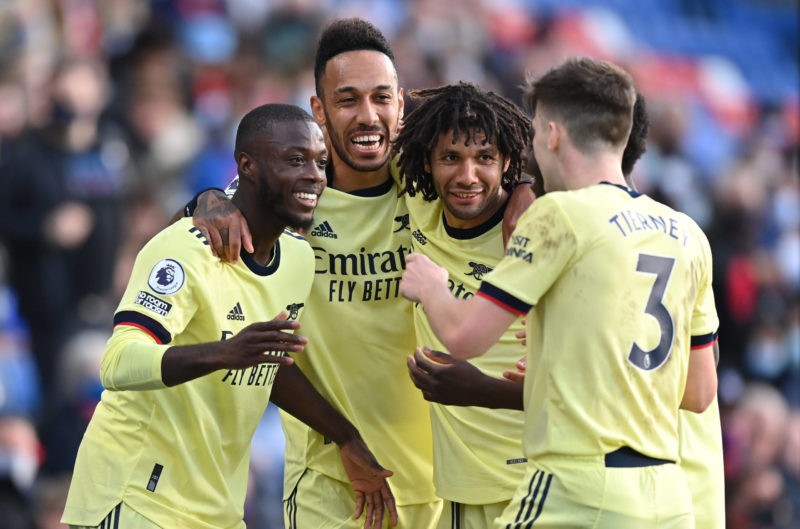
(463, 109)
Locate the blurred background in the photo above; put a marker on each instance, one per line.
(114, 113)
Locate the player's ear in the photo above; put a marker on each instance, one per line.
(554, 131)
(244, 165)
(317, 111)
(402, 104)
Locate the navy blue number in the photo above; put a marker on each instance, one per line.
(661, 267)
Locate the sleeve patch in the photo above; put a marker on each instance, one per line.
(166, 277)
(153, 303)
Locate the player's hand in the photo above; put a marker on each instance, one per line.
(223, 225)
(522, 197)
(522, 334)
(420, 276)
(374, 497)
(518, 375)
(442, 378)
(250, 346)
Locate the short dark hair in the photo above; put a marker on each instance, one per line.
(637, 141)
(464, 109)
(258, 123)
(593, 98)
(343, 35)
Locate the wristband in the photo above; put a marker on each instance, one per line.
(520, 182)
(188, 209)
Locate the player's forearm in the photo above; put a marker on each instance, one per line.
(496, 393)
(444, 313)
(183, 363)
(293, 393)
(467, 328)
(701, 380)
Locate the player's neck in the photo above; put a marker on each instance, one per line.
(585, 171)
(265, 230)
(347, 179)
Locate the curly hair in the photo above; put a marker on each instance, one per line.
(465, 110)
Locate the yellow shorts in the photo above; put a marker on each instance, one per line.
(322, 502)
(122, 517)
(583, 492)
(469, 516)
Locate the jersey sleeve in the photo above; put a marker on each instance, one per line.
(132, 361)
(159, 302)
(539, 249)
(705, 321)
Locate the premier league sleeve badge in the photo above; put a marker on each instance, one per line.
(166, 277)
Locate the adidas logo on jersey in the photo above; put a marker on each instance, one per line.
(323, 229)
(236, 313)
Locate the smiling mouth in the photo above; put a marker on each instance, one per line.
(368, 142)
(309, 199)
(464, 195)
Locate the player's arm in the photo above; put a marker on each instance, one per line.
(701, 380)
(294, 394)
(220, 222)
(135, 360)
(522, 196)
(467, 328)
(445, 380)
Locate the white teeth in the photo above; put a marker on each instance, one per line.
(306, 196)
(367, 139)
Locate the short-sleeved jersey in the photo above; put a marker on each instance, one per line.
(477, 451)
(180, 455)
(621, 286)
(360, 333)
(702, 463)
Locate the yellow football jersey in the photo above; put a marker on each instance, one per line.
(702, 462)
(360, 332)
(620, 287)
(477, 451)
(180, 455)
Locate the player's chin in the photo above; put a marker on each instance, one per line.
(302, 223)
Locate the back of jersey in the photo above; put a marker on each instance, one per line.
(620, 285)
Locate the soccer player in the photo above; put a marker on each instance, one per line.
(196, 351)
(616, 288)
(460, 153)
(701, 455)
(362, 329)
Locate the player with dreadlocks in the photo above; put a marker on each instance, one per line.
(465, 146)
(464, 110)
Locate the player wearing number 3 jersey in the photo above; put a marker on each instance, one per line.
(617, 292)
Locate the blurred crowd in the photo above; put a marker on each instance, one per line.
(114, 113)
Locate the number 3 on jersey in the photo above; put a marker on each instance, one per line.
(661, 267)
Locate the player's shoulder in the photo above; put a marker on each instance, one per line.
(294, 243)
(180, 240)
(294, 238)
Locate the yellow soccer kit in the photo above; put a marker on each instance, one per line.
(702, 462)
(180, 455)
(477, 451)
(621, 287)
(360, 332)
